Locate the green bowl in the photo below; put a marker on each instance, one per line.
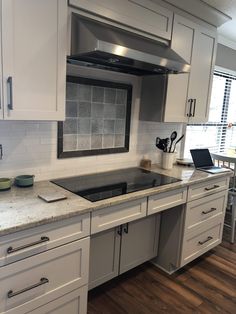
(24, 180)
(5, 184)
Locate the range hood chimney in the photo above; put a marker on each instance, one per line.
(100, 45)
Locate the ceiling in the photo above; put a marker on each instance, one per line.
(228, 7)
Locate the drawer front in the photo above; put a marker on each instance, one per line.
(166, 200)
(74, 302)
(37, 280)
(113, 216)
(19, 245)
(205, 209)
(195, 245)
(207, 188)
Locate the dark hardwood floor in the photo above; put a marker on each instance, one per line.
(207, 285)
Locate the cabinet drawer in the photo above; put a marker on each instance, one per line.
(39, 279)
(203, 210)
(209, 187)
(19, 245)
(113, 216)
(74, 302)
(166, 200)
(195, 245)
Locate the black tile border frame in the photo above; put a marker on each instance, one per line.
(93, 152)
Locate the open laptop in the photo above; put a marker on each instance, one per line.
(202, 161)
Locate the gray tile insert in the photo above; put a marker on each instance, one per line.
(84, 109)
(120, 111)
(109, 111)
(85, 92)
(96, 141)
(71, 91)
(110, 96)
(69, 142)
(119, 140)
(121, 96)
(97, 110)
(70, 126)
(71, 109)
(97, 126)
(108, 141)
(83, 142)
(109, 127)
(120, 126)
(98, 94)
(84, 126)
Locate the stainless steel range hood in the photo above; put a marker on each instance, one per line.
(103, 46)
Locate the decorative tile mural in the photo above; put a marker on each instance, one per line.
(97, 118)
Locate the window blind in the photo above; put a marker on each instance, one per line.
(219, 133)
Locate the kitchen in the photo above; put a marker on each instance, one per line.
(30, 140)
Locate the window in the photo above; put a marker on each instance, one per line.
(219, 133)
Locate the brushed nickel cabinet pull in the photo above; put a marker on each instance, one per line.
(11, 250)
(208, 239)
(12, 294)
(194, 106)
(120, 230)
(10, 93)
(212, 188)
(126, 228)
(209, 211)
(190, 101)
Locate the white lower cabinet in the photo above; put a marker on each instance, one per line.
(45, 269)
(104, 257)
(119, 249)
(71, 303)
(190, 230)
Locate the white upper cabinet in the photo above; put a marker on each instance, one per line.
(188, 95)
(142, 15)
(34, 59)
(1, 98)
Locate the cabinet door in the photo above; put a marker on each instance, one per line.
(74, 302)
(139, 242)
(146, 16)
(202, 66)
(104, 257)
(34, 59)
(177, 107)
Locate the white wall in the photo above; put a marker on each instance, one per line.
(31, 147)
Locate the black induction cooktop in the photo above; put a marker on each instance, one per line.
(99, 186)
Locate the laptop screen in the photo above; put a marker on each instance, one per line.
(201, 158)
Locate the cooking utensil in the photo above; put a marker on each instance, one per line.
(177, 142)
(172, 138)
(166, 142)
(24, 180)
(5, 184)
(160, 144)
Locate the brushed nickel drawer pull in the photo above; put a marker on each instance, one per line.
(12, 294)
(212, 188)
(208, 239)
(209, 211)
(11, 250)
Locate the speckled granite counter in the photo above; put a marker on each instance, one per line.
(20, 208)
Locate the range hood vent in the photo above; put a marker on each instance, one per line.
(100, 45)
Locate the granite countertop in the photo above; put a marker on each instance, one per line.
(21, 208)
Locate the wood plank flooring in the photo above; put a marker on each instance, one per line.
(207, 285)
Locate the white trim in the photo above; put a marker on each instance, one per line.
(226, 42)
(225, 70)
